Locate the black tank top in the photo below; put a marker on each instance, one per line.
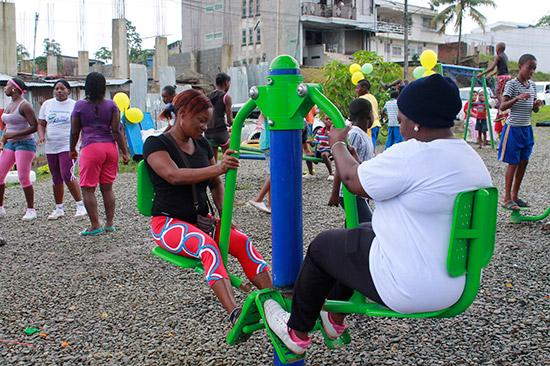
(502, 65)
(218, 116)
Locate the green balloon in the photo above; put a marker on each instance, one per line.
(367, 68)
(419, 72)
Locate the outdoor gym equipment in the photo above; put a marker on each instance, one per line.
(285, 100)
(517, 218)
(472, 73)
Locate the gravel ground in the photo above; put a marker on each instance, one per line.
(106, 300)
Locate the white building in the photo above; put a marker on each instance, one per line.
(519, 38)
(389, 39)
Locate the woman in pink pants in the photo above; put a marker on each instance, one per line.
(17, 144)
(97, 121)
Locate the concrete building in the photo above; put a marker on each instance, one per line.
(218, 34)
(519, 38)
(389, 40)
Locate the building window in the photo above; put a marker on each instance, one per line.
(396, 51)
(218, 7)
(258, 60)
(218, 35)
(387, 47)
(251, 8)
(257, 7)
(258, 35)
(427, 23)
(243, 38)
(244, 9)
(209, 8)
(250, 36)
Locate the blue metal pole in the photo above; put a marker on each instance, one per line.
(286, 210)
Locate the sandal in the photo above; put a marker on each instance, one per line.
(94, 232)
(109, 229)
(511, 205)
(522, 203)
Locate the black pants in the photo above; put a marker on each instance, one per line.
(337, 262)
(363, 210)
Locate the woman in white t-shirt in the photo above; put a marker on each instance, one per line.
(54, 128)
(400, 260)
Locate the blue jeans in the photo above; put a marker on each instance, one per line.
(26, 145)
(394, 136)
(374, 133)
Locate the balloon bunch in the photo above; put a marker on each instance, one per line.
(358, 72)
(428, 60)
(132, 115)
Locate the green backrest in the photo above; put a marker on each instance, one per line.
(145, 191)
(472, 241)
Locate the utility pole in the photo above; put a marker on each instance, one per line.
(406, 40)
(34, 44)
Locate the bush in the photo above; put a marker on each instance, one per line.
(341, 91)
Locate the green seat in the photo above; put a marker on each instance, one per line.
(470, 250)
(145, 196)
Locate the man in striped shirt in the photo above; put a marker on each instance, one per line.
(390, 110)
(516, 143)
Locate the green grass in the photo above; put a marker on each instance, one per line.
(542, 116)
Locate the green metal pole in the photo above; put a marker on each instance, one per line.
(472, 85)
(350, 204)
(516, 217)
(231, 179)
(488, 109)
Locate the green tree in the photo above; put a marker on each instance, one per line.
(339, 88)
(544, 21)
(456, 10)
(104, 54)
(135, 52)
(22, 52)
(51, 47)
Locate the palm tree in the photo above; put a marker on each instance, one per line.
(455, 10)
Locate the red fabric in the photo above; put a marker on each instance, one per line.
(181, 238)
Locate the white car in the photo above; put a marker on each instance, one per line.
(543, 91)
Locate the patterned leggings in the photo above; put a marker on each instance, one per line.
(182, 238)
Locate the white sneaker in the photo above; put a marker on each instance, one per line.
(30, 215)
(277, 319)
(2, 212)
(260, 206)
(330, 177)
(330, 328)
(80, 211)
(56, 214)
(309, 176)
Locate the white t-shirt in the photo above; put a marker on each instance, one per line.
(58, 128)
(414, 185)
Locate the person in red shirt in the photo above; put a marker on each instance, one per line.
(481, 119)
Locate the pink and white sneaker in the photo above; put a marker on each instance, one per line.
(277, 319)
(332, 329)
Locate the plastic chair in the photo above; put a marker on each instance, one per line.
(145, 195)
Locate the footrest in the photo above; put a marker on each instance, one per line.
(339, 342)
(249, 321)
(284, 354)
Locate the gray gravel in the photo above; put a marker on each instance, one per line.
(114, 303)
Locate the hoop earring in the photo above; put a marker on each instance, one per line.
(415, 128)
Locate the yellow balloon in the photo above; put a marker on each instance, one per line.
(122, 101)
(357, 77)
(428, 73)
(428, 59)
(133, 115)
(353, 68)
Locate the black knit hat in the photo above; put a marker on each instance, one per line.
(432, 102)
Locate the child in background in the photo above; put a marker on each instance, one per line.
(516, 144)
(361, 117)
(503, 76)
(390, 110)
(363, 91)
(265, 145)
(322, 146)
(481, 119)
(306, 149)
